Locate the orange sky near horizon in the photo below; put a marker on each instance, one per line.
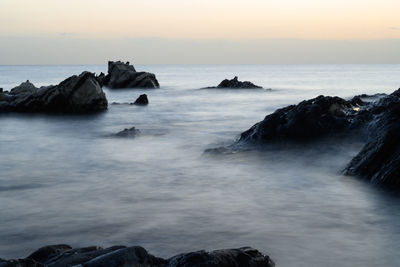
(203, 19)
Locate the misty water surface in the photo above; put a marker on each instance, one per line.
(63, 179)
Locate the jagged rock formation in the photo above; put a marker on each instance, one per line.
(77, 94)
(120, 256)
(124, 75)
(142, 100)
(235, 83)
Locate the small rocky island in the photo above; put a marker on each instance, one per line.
(124, 75)
(120, 256)
(235, 84)
(376, 122)
(77, 94)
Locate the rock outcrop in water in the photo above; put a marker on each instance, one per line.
(119, 256)
(124, 75)
(377, 117)
(131, 132)
(142, 100)
(77, 94)
(306, 121)
(236, 84)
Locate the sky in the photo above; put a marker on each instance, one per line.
(199, 31)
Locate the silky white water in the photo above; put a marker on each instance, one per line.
(63, 179)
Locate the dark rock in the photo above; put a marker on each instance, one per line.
(64, 256)
(131, 132)
(77, 94)
(235, 83)
(20, 263)
(132, 256)
(1, 90)
(373, 118)
(78, 256)
(241, 257)
(123, 75)
(306, 121)
(379, 160)
(100, 78)
(141, 100)
(45, 253)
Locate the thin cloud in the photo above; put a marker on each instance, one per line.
(394, 28)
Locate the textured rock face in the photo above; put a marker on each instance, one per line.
(77, 94)
(235, 83)
(242, 257)
(379, 160)
(120, 256)
(306, 121)
(123, 75)
(142, 100)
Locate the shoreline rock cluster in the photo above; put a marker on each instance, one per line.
(119, 256)
(77, 94)
(376, 121)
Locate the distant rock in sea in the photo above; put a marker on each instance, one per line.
(235, 84)
(77, 94)
(131, 132)
(124, 75)
(119, 256)
(142, 100)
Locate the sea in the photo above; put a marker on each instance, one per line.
(67, 179)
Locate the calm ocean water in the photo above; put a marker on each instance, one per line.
(64, 180)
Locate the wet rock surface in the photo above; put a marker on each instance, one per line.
(118, 256)
(124, 75)
(235, 83)
(77, 94)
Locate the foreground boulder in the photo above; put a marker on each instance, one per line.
(241, 257)
(235, 83)
(77, 94)
(124, 75)
(119, 256)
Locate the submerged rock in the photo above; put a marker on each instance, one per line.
(123, 75)
(131, 132)
(119, 256)
(77, 94)
(141, 100)
(235, 83)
